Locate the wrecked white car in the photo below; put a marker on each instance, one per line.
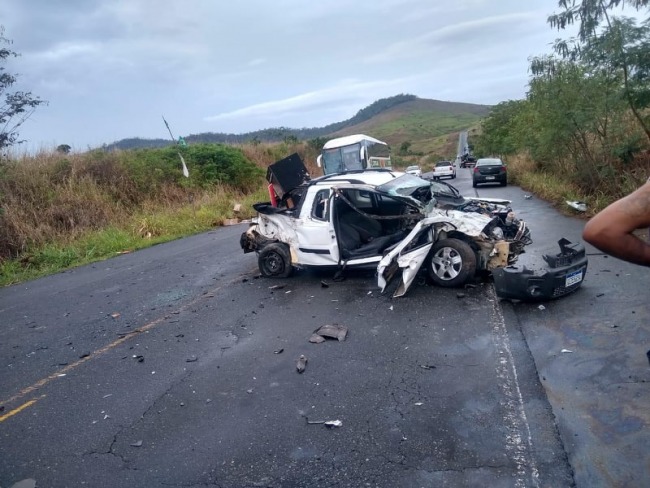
(391, 221)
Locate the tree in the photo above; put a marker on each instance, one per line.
(63, 148)
(617, 46)
(17, 106)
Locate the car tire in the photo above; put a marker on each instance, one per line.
(452, 263)
(504, 183)
(274, 261)
(474, 184)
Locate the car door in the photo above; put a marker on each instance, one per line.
(317, 244)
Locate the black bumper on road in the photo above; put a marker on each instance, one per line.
(559, 275)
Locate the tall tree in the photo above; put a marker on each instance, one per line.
(610, 44)
(15, 107)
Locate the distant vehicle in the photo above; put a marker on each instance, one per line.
(353, 153)
(489, 170)
(467, 161)
(444, 169)
(414, 170)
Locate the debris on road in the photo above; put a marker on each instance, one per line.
(427, 366)
(316, 339)
(339, 332)
(136, 444)
(324, 284)
(460, 295)
(528, 197)
(279, 351)
(116, 315)
(566, 350)
(301, 364)
(576, 205)
(276, 287)
(326, 423)
(192, 359)
(333, 423)
(542, 307)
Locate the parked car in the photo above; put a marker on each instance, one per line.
(489, 170)
(414, 170)
(397, 223)
(444, 169)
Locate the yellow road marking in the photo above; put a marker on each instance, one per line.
(19, 409)
(63, 371)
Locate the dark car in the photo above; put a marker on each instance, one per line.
(489, 170)
(467, 161)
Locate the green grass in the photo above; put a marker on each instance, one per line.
(141, 230)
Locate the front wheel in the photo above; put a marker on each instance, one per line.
(452, 263)
(274, 261)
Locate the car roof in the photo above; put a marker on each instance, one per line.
(353, 139)
(365, 177)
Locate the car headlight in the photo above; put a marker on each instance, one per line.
(497, 233)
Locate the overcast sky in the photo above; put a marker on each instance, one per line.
(110, 68)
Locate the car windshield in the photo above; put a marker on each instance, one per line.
(412, 168)
(340, 159)
(408, 185)
(443, 163)
(442, 189)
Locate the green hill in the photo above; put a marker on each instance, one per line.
(426, 124)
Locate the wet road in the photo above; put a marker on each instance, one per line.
(175, 366)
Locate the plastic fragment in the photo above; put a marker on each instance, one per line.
(333, 423)
(301, 364)
(136, 444)
(279, 351)
(566, 350)
(542, 307)
(579, 206)
(339, 332)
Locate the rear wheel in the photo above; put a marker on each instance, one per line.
(452, 263)
(274, 261)
(504, 183)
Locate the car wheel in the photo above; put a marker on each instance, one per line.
(452, 263)
(504, 183)
(274, 261)
(474, 184)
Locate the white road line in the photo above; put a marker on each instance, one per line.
(519, 442)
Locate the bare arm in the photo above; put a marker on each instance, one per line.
(611, 230)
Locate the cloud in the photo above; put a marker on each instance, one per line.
(344, 92)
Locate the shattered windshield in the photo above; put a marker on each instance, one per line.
(442, 189)
(408, 185)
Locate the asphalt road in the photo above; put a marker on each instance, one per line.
(175, 366)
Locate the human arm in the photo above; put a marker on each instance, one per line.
(612, 229)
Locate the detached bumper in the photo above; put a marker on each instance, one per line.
(559, 275)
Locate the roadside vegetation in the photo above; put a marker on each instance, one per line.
(583, 131)
(61, 210)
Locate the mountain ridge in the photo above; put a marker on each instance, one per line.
(395, 119)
